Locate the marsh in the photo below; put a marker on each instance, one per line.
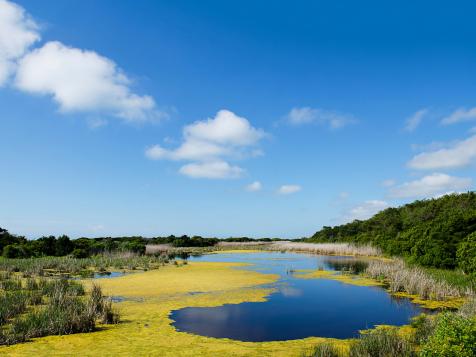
(298, 308)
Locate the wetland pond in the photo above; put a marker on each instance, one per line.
(299, 308)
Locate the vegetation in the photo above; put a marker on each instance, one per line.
(13, 246)
(413, 280)
(454, 335)
(36, 307)
(327, 248)
(83, 267)
(445, 335)
(433, 233)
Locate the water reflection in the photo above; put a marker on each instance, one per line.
(300, 307)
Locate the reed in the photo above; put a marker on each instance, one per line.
(11, 305)
(382, 342)
(326, 350)
(326, 248)
(51, 306)
(412, 280)
(69, 266)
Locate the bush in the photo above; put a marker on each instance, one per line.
(15, 251)
(79, 253)
(454, 335)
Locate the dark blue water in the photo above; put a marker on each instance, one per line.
(300, 308)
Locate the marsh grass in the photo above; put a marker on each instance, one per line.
(382, 342)
(464, 282)
(69, 266)
(413, 280)
(11, 305)
(327, 350)
(47, 306)
(326, 248)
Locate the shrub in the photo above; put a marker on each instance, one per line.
(454, 335)
(79, 253)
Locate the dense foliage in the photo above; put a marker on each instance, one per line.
(433, 233)
(13, 246)
(454, 335)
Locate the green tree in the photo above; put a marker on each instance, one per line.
(466, 254)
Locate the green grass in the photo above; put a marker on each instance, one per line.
(453, 277)
(82, 267)
(49, 306)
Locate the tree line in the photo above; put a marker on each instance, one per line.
(438, 232)
(14, 246)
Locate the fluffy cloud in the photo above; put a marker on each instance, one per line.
(289, 189)
(208, 142)
(307, 115)
(82, 81)
(431, 186)
(460, 154)
(254, 187)
(414, 121)
(211, 170)
(460, 115)
(17, 33)
(365, 210)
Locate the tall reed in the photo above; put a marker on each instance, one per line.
(326, 248)
(412, 280)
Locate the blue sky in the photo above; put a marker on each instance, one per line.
(230, 118)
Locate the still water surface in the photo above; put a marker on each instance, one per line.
(299, 308)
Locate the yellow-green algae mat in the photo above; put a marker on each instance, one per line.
(360, 280)
(146, 328)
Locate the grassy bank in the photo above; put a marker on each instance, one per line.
(146, 328)
(36, 307)
(150, 296)
(81, 267)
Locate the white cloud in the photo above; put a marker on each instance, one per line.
(225, 135)
(388, 183)
(83, 81)
(415, 120)
(254, 187)
(17, 33)
(307, 115)
(211, 170)
(460, 115)
(289, 189)
(365, 210)
(461, 153)
(226, 128)
(431, 186)
(210, 141)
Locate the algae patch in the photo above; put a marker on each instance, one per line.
(338, 276)
(146, 328)
(360, 280)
